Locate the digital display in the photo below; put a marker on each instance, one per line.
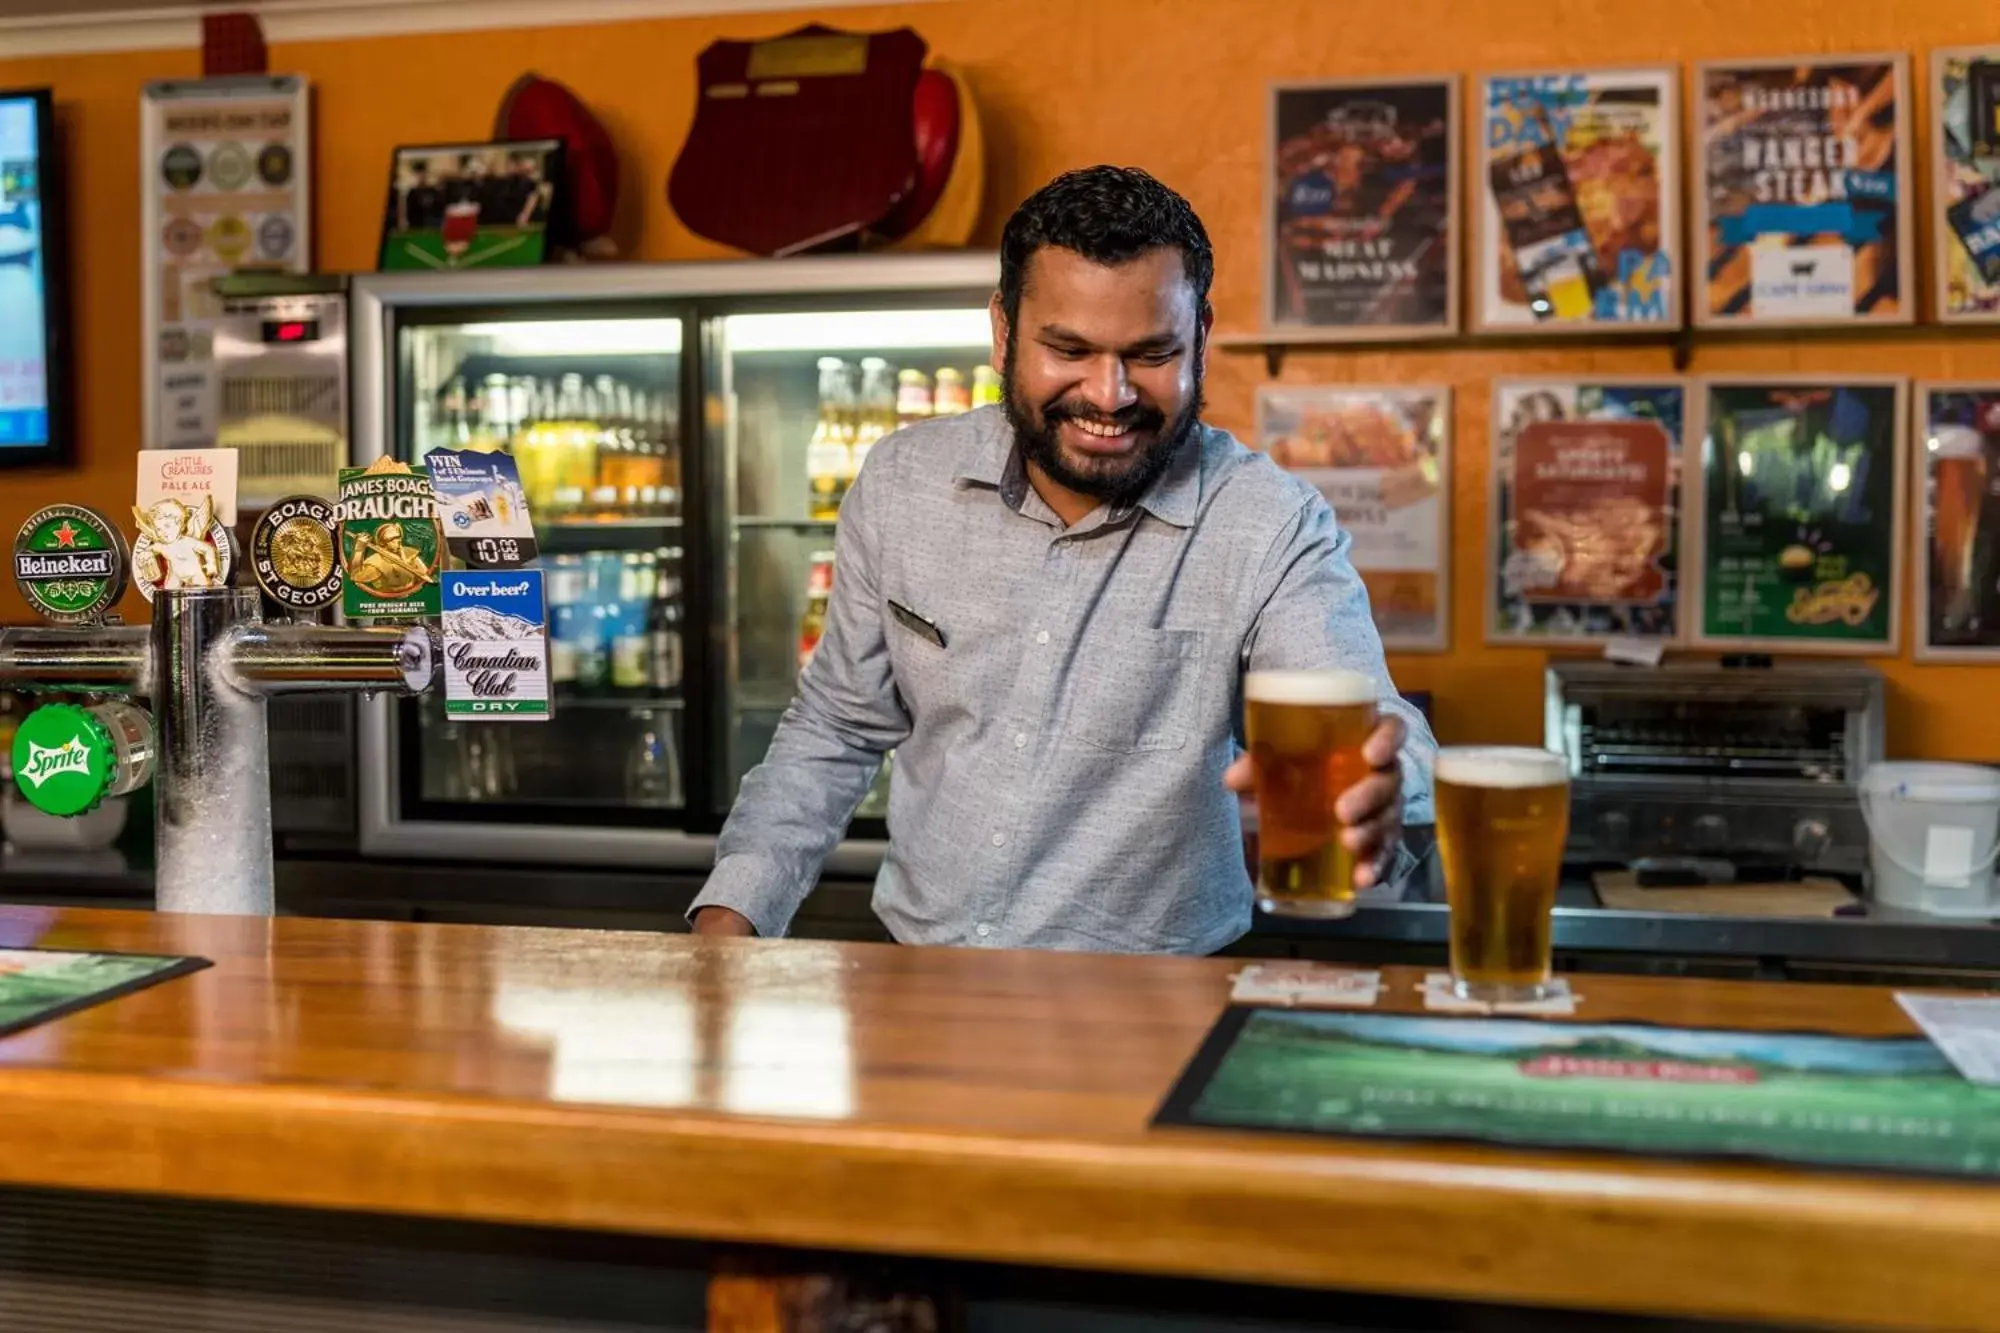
(24, 294)
(291, 330)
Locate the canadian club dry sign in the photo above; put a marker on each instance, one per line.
(389, 544)
(496, 646)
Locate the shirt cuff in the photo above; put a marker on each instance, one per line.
(751, 887)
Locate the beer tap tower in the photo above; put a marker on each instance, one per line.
(207, 664)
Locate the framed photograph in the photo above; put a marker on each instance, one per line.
(1803, 207)
(1579, 201)
(483, 205)
(1796, 526)
(1382, 459)
(1955, 482)
(1361, 215)
(1965, 171)
(1583, 510)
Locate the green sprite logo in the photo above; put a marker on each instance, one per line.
(62, 759)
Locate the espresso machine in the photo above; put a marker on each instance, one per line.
(1706, 772)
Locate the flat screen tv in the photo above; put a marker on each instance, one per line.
(34, 352)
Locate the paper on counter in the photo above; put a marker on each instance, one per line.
(1306, 985)
(1438, 996)
(1965, 1028)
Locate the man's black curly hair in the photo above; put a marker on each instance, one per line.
(1108, 215)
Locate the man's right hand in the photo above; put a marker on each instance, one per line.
(722, 921)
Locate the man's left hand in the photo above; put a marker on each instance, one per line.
(1370, 812)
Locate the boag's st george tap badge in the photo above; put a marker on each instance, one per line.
(181, 546)
(389, 542)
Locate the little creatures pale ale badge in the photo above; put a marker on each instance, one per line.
(389, 543)
(181, 546)
(69, 563)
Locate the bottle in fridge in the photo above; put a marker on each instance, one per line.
(830, 454)
(877, 415)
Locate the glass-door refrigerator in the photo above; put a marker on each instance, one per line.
(684, 433)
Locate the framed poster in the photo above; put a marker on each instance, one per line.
(1382, 459)
(1579, 201)
(1797, 527)
(225, 187)
(1803, 207)
(1583, 510)
(1965, 169)
(477, 205)
(1361, 218)
(1955, 479)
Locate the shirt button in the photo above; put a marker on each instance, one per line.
(999, 840)
(1020, 740)
(1043, 637)
(982, 930)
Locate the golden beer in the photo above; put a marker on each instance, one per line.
(1502, 819)
(1305, 730)
(1958, 472)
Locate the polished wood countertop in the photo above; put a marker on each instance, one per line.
(952, 1103)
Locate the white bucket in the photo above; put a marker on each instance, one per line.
(1933, 834)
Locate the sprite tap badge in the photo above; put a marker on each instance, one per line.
(68, 758)
(389, 543)
(70, 564)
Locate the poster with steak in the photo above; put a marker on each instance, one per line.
(1804, 199)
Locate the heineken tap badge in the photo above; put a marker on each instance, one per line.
(69, 563)
(180, 546)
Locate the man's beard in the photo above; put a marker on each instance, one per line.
(1115, 481)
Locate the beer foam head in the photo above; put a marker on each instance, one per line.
(1319, 689)
(1500, 766)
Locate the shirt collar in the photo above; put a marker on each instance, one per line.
(994, 461)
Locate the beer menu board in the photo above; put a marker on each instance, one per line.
(1805, 1098)
(1965, 92)
(1381, 457)
(1799, 521)
(1958, 533)
(1578, 199)
(1583, 513)
(1805, 192)
(226, 189)
(1361, 216)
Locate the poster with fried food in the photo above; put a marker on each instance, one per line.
(1798, 520)
(1583, 515)
(1803, 208)
(1361, 210)
(1382, 459)
(1579, 198)
(1965, 171)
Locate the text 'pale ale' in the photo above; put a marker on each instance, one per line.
(1305, 730)
(1502, 819)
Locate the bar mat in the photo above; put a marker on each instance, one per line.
(37, 985)
(1620, 891)
(1806, 1098)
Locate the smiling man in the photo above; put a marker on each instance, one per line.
(1046, 609)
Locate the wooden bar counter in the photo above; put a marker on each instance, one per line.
(949, 1104)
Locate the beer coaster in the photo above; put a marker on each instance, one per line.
(1438, 996)
(1305, 986)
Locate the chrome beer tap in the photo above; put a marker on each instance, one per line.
(207, 664)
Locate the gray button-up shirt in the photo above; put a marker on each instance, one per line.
(1057, 779)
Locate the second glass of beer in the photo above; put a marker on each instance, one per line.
(1502, 820)
(1305, 730)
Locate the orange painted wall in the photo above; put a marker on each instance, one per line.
(1175, 86)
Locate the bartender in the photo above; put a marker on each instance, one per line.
(1046, 607)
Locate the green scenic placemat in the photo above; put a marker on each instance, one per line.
(37, 985)
(1890, 1104)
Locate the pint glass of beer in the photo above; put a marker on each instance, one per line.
(1305, 730)
(1502, 818)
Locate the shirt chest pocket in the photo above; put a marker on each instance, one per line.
(1138, 689)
